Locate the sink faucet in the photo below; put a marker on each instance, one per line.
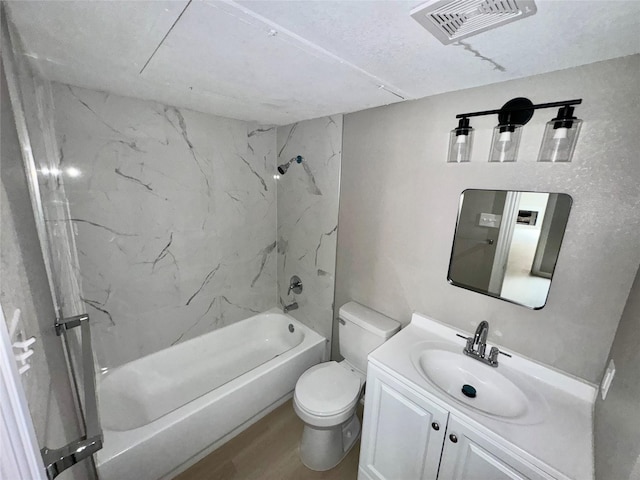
(477, 346)
(480, 338)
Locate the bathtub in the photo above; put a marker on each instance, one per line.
(163, 412)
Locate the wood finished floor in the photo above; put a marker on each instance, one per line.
(268, 450)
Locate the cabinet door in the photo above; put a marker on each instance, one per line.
(468, 455)
(402, 432)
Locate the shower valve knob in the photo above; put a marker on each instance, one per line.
(295, 285)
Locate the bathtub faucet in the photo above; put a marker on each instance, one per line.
(292, 306)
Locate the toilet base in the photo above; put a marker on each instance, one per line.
(322, 448)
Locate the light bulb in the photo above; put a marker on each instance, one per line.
(505, 136)
(505, 143)
(560, 133)
(460, 142)
(558, 142)
(560, 137)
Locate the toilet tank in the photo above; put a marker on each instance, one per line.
(362, 330)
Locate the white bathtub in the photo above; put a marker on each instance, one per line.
(163, 412)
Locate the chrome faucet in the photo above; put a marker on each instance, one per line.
(292, 306)
(477, 346)
(295, 285)
(480, 338)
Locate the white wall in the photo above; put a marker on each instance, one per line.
(175, 217)
(617, 422)
(399, 200)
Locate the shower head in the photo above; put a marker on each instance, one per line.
(282, 169)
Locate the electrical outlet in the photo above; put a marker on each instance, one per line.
(607, 379)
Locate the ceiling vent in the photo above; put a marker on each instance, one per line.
(450, 21)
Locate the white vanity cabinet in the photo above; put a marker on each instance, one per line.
(402, 432)
(406, 436)
(467, 455)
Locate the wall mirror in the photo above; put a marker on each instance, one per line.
(507, 243)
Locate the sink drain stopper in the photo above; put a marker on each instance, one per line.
(469, 391)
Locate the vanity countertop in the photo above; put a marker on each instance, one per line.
(559, 435)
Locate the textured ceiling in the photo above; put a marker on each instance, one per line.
(278, 62)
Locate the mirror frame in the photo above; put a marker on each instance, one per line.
(484, 292)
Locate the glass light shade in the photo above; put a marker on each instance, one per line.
(559, 140)
(460, 143)
(505, 143)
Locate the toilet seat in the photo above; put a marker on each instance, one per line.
(327, 390)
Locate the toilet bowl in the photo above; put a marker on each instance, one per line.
(325, 399)
(326, 395)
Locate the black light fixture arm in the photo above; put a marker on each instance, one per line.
(564, 103)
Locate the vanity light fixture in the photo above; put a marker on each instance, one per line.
(506, 135)
(505, 142)
(460, 142)
(560, 137)
(559, 141)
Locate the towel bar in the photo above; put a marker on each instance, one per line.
(59, 459)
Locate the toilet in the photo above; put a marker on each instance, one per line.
(326, 395)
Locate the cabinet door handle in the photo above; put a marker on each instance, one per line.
(435, 426)
(453, 438)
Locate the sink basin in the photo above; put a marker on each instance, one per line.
(449, 371)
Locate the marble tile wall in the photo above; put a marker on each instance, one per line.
(174, 213)
(308, 197)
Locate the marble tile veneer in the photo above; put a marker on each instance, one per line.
(174, 213)
(308, 197)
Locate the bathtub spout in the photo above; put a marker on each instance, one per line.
(288, 308)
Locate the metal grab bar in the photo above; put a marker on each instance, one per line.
(58, 460)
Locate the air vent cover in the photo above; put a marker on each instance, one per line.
(453, 20)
